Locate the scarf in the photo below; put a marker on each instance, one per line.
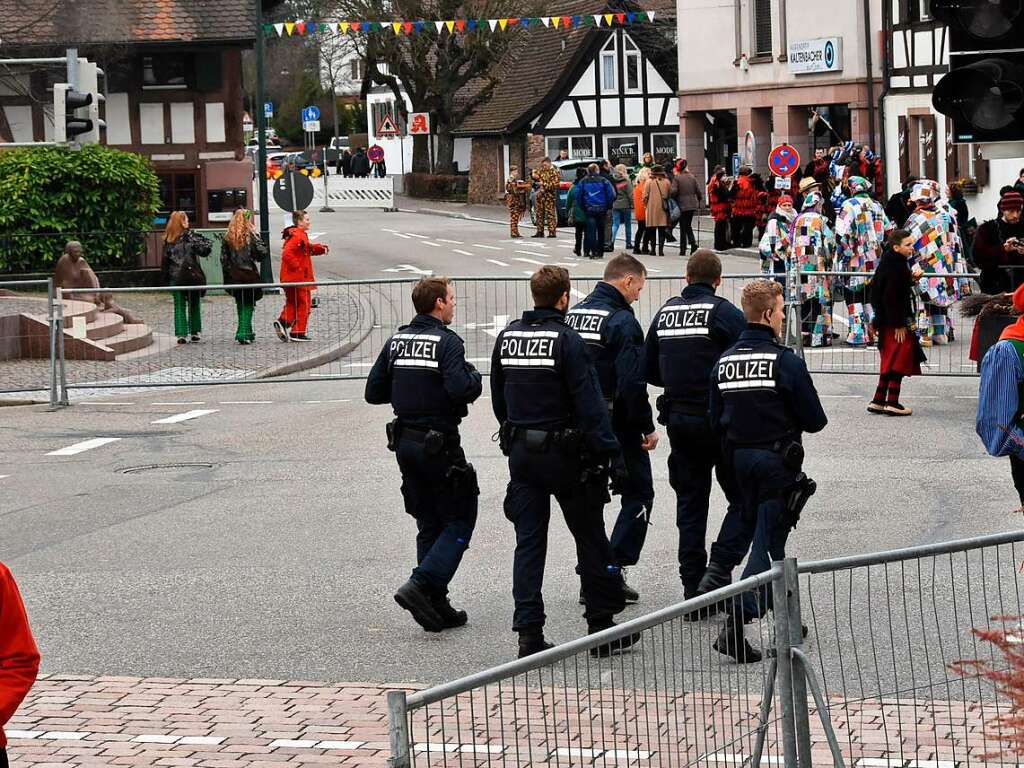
(1013, 332)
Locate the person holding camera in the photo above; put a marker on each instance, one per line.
(999, 247)
(423, 373)
(557, 435)
(762, 400)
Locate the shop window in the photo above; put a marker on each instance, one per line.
(762, 27)
(623, 149)
(608, 78)
(632, 64)
(665, 147)
(178, 192)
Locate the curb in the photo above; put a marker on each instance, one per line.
(451, 215)
(328, 355)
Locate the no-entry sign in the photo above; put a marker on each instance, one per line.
(784, 160)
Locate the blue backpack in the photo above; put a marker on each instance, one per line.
(595, 195)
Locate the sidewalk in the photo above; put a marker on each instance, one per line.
(225, 723)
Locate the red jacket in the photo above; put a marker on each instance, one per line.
(296, 256)
(720, 200)
(19, 656)
(745, 203)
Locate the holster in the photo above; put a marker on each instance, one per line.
(505, 434)
(434, 442)
(394, 433)
(462, 477)
(792, 454)
(797, 497)
(594, 479)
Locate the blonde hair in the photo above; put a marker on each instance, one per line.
(621, 170)
(643, 175)
(759, 297)
(176, 226)
(238, 231)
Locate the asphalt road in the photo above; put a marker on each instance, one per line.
(265, 538)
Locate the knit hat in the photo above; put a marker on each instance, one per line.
(808, 182)
(1011, 201)
(785, 199)
(812, 200)
(859, 184)
(1018, 299)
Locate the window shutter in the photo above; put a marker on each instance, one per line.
(981, 169)
(762, 27)
(931, 160)
(904, 153)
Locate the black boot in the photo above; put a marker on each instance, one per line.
(416, 601)
(615, 646)
(715, 577)
(532, 641)
(732, 642)
(450, 617)
(631, 596)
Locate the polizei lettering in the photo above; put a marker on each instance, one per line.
(747, 371)
(527, 348)
(414, 350)
(683, 320)
(584, 323)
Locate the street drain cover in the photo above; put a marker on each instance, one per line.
(166, 467)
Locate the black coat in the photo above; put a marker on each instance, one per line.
(181, 265)
(360, 165)
(892, 288)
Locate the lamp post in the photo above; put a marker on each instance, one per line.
(266, 271)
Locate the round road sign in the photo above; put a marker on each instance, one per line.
(784, 160)
(375, 153)
(298, 184)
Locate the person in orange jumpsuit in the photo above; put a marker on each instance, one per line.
(297, 267)
(19, 656)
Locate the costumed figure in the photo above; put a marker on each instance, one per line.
(813, 250)
(516, 198)
(776, 242)
(860, 240)
(937, 251)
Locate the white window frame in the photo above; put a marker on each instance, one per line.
(553, 152)
(665, 133)
(626, 56)
(609, 51)
(639, 144)
(572, 138)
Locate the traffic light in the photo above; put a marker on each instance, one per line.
(88, 82)
(67, 124)
(983, 93)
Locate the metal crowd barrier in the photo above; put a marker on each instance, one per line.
(29, 342)
(872, 685)
(350, 324)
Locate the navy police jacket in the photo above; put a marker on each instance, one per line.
(614, 339)
(422, 371)
(761, 392)
(541, 378)
(685, 340)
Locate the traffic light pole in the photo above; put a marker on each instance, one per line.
(261, 133)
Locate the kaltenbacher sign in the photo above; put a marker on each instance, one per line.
(822, 55)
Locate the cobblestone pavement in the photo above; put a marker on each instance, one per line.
(226, 723)
(339, 319)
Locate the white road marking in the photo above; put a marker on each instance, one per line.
(528, 273)
(408, 268)
(488, 247)
(966, 397)
(246, 402)
(413, 234)
(315, 235)
(319, 402)
(392, 231)
(652, 269)
(193, 402)
(3, 476)
(453, 242)
(85, 445)
(565, 245)
(399, 234)
(433, 245)
(528, 261)
(577, 294)
(528, 244)
(86, 402)
(499, 263)
(464, 253)
(186, 416)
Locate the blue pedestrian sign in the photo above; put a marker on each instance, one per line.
(310, 114)
(268, 109)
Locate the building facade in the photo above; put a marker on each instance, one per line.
(756, 73)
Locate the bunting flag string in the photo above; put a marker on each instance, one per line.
(302, 28)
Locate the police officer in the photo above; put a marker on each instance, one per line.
(422, 372)
(763, 399)
(685, 340)
(614, 339)
(557, 435)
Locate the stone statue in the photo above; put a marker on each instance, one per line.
(73, 271)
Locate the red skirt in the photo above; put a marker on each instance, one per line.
(903, 358)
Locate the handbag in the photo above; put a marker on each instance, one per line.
(672, 209)
(240, 266)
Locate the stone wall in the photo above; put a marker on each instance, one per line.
(486, 171)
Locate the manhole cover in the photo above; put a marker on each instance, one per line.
(166, 467)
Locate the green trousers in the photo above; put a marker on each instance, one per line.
(245, 307)
(188, 316)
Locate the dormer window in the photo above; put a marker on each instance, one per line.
(631, 59)
(609, 81)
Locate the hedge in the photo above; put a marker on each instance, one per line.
(101, 196)
(436, 186)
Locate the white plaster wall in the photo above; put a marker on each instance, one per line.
(119, 129)
(20, 120)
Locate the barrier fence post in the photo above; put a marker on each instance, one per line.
(398, 729)
(58, 329)
(784, 671)
(52, 316)
(791, 578)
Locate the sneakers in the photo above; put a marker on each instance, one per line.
(299, 337)
(195, 338)
(532, 642)
(896, 409)
(281, 329)
(876, 407)
(450, 617)
(182, 340)
(413, 599)
(612, 647)
(732, 642)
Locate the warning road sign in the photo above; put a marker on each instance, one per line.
(784, 160)
(387, 127)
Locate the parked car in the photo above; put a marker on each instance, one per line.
(338, 145)
(567, 170)
(253, 146)
(275, 164)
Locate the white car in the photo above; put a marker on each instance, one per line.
(253, 147)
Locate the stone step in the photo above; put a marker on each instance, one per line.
(133, 337)
(105, 326)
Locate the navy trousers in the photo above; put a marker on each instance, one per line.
(536, 477)
(696, 453)
(630, 530)
(440, 492)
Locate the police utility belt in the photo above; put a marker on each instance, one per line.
(668, 406)
(433, 441)
(539, 440)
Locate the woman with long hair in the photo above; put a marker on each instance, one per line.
(656, 193)
(182, 250)
(240, 257)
